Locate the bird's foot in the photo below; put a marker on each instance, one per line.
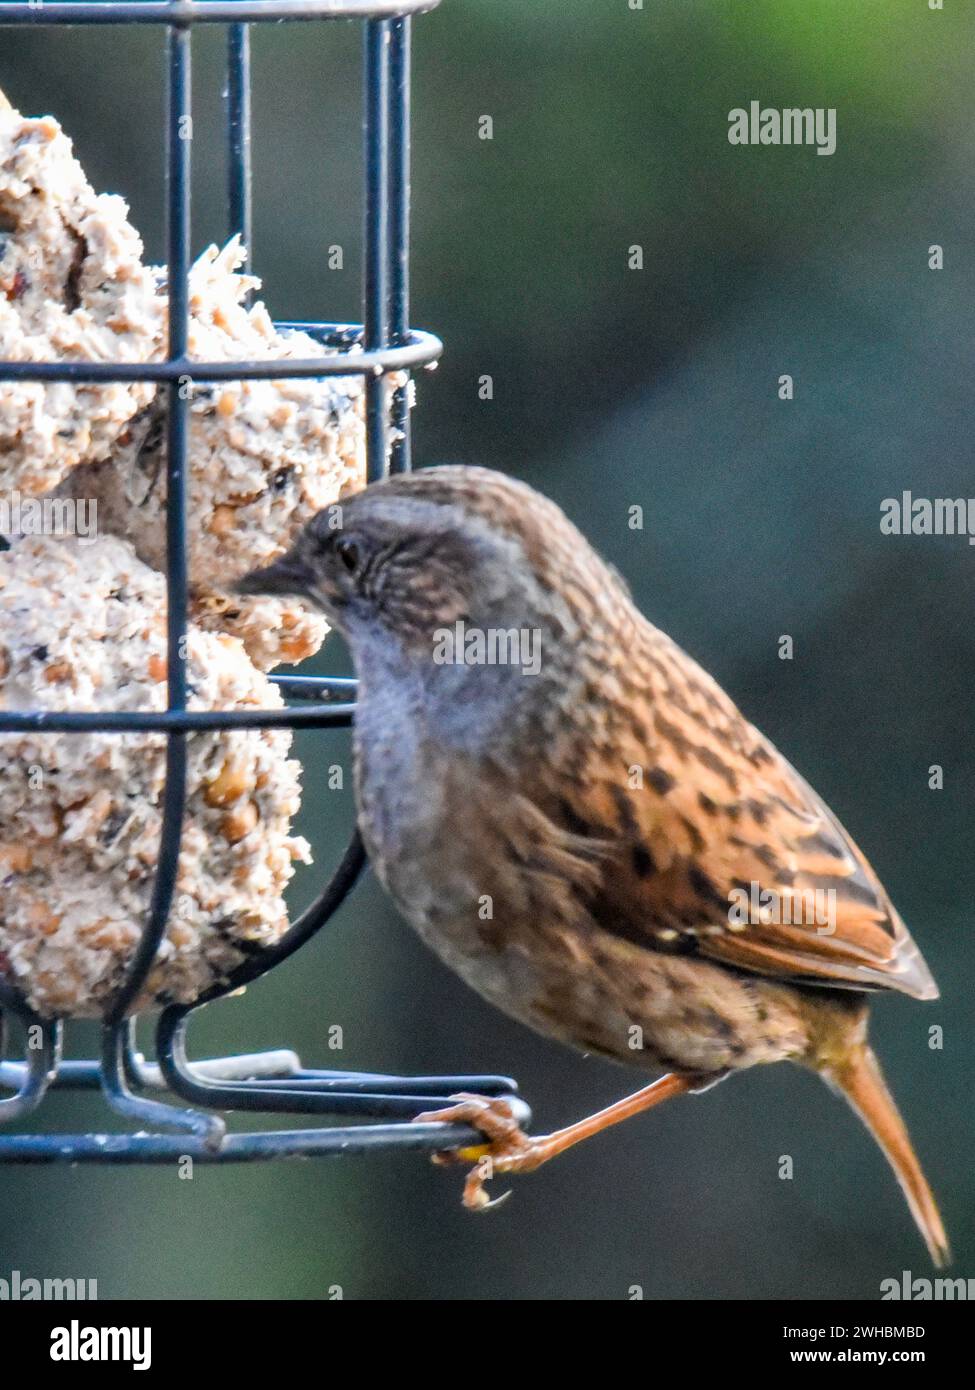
(508, 1148)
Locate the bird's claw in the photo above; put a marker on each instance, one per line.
(508, 1148)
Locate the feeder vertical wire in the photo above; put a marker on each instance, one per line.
(376, 277)
(239, 180)
(399, 229)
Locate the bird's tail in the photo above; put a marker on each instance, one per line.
(858, 1077)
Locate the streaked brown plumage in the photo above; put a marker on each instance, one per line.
(570, 841)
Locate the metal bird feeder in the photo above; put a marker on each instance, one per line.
(271, 1082)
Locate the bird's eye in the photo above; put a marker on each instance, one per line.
(348, 553)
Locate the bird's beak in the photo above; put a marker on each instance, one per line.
(289, 575)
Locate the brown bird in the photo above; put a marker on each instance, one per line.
(581, 824)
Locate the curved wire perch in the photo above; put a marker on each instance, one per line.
(236, 1148)
(280, 1065)
(115, 1074)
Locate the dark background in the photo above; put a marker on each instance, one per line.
(615, 387)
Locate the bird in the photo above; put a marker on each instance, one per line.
(582, 825)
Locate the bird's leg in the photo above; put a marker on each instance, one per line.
(510, 1150)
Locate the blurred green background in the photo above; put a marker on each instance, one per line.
(614, 387)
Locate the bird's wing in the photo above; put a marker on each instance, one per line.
(728, 852)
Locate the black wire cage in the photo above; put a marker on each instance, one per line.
(271, 1082)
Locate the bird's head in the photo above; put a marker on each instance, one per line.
(415, 555)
